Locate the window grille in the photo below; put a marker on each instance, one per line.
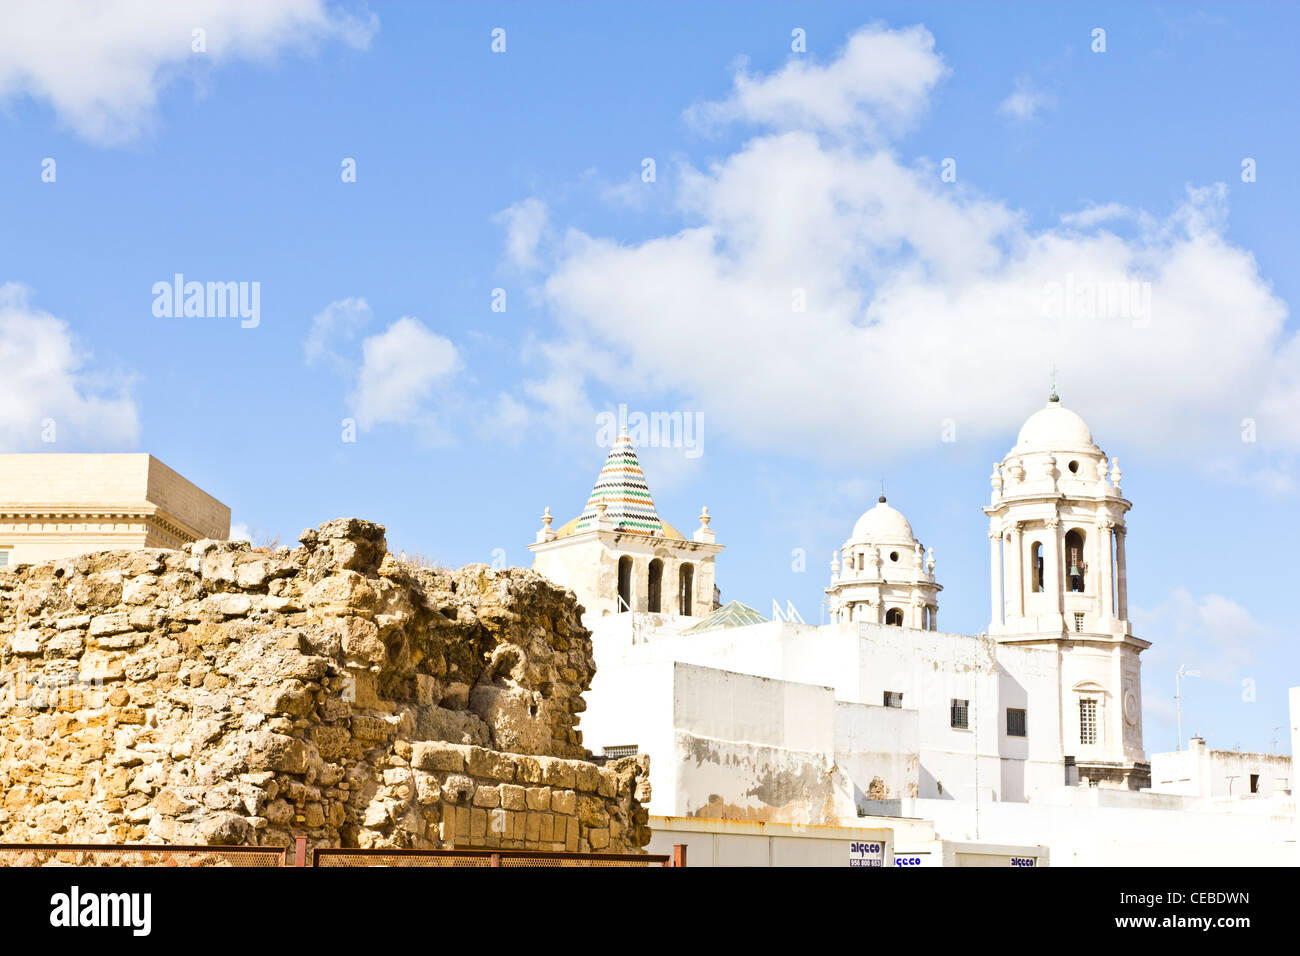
(1087, 721)
(1015, 722)
(893, 698)
(960, 714)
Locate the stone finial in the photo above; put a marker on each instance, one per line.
(704, 533)
(835, 566)
(929, 561)
(546, 533)
(1115, 474)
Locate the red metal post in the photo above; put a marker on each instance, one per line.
(300, 852)
(679, 854)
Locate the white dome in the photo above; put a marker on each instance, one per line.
(1054, 427)
(882, 523)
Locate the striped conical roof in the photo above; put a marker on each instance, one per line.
(623, 489)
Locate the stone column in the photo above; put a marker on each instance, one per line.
(934, 618)
(1052, 557)
(995, 561)
(1121, 572)
(1018, 560)
(1106, 588)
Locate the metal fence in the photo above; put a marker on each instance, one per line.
(328, 857)
(126, 854)
(105, 854)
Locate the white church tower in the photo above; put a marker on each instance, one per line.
(1056, 534)
(883, 575)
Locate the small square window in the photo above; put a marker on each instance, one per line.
(1016, 722)
(960, 714)
(893, 698)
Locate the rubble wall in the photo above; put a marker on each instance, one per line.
(222, 694)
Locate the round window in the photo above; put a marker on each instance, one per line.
(893, 555)
(1074, 467)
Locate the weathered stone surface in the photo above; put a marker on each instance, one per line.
(225, 694)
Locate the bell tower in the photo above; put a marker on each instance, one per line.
(1058, 573)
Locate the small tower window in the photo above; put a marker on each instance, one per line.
(624, 584)
(654, 592)
(893, 555)
(1087, 721)
(1036, 567)
(1075, 567)
(686, 590)
(894, 617)
(1074, 467)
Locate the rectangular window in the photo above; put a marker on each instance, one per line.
(4, 558)
(893, 698)
(1087, 721)
(1078, 621)
(1015, 722)
(960, 714)
(1254, 783)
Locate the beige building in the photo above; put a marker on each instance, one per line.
(57, 505)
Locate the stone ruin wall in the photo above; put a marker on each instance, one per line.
(227, 695)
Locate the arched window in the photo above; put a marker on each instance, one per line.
(655, 587)
(624, 584)
(686, 590)
(1036, 566)
(894, 617)
(1075, 567)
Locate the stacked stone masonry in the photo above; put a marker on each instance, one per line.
(222, 694)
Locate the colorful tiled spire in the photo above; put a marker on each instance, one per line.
(623, 490)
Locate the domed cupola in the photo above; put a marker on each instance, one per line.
(882, 574)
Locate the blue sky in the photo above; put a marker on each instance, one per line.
(775, 171)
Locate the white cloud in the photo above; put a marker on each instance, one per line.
(877, 84)
(525, 225)
(400, 369)
(333, 328)
(1093, 215)
(240, 532)
(1211, 633)
(925, 301)
(1025, 102)
(101, 64)
(44, 379)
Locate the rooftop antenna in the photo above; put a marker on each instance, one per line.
(1054, 397)
(882, 489)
